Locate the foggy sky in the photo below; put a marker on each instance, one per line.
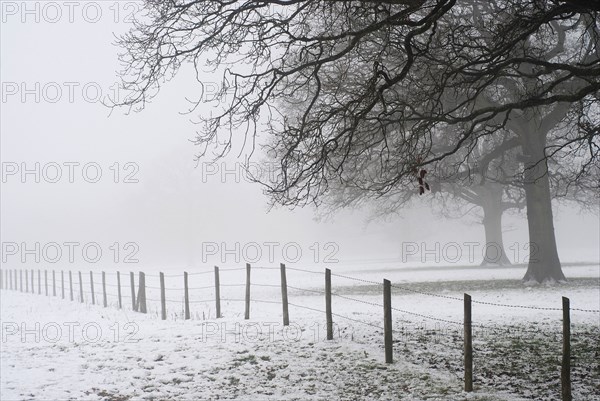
(173, 208)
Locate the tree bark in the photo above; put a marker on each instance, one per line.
(494, 253)
(544, 264)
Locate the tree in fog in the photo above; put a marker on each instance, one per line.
(428, 71)
(487, 188)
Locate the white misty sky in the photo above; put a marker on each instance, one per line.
(172, 210)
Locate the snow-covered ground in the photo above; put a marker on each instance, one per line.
(54, 349)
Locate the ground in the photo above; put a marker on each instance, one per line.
(55, 349)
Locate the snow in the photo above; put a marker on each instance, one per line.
(54, 349)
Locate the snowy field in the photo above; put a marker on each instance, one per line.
(54, 349)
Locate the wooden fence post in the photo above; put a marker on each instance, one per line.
(217, 292)
(119, 289)
(328, 312)
(284, 296)
(32, 283)
(163, 300)
(46, 281)
(53, 283)
(71, 285)
(247, 311)
(26, 280)
(104, 300)
(39, 282)
(141, 298)
(92, 288)
(186, 297)
(10, 285)
(565, 372)
(387, 321)
(468, 345)
(1, 279)
(62, 283)
(133, 302)
(81, 288)
(21, 280)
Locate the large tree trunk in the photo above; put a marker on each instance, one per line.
(494, 253)
(544, 265)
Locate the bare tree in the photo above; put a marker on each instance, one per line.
(457, 70)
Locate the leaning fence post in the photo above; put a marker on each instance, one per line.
(46, 281)
(92, 288)
(163, 301)
(217, 292)
(142, 293)
(284, 296)
(119, 289)
(104, 300)
(71, 285)
(132, 281)
(468, 345)
(565, 372)
(387, 321)
(81, 288)
(53, 283)
(247, 311)
(186, 297)
(328, 312)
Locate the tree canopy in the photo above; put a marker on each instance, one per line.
(458, 69)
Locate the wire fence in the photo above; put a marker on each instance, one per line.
(106, 289)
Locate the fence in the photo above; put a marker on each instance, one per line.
(24, 281)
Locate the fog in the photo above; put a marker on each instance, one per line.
(151, 191)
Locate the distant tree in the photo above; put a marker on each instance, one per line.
(488, 184)
(457, 70)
